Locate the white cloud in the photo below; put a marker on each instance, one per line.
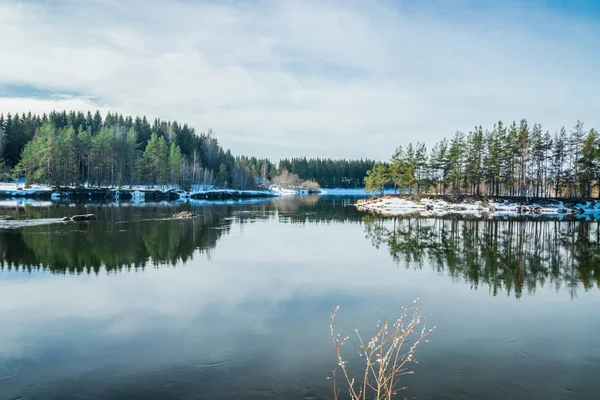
(306, 78)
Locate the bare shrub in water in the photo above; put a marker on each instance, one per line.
(310, 185)
(385, 356)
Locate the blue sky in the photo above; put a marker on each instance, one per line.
(314, 78)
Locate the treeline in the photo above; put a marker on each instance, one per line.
(71, 148)
(514, 160)
(63, 148)
(329, 173)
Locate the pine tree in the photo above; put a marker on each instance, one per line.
(455, 161)
(29, 164)
(377, 178)
(222, 176)
(558, 161)
(175, 164)
(420, 167)
(473, 162)
(588, 163)
(131, 151)
(71, 160)
(153, 159)
(2, 141)
(547, 145)
(574, 153)
(523, 155)
(493, 160)
(401, 172)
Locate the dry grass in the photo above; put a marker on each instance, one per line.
(385, 356)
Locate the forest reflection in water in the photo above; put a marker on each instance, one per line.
(135, 236)
(108, 310)
(511, 256)
(507, 256)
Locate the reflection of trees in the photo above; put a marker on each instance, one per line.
(510, 256)
(119, 239)
(315, 209)
(131, 237)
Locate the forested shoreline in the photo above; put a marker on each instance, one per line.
(513, 160)
(73, 148)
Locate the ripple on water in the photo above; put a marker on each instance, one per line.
(8, 369)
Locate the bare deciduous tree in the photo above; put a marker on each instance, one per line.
(286, 179)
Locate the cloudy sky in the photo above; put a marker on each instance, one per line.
(315, 78)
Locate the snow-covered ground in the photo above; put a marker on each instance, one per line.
(355, 192)
(279, 191)
(437, 207)
(17, 191)
(20, 189)
(138, 191)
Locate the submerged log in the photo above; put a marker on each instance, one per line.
(185, 215)
(81, 217)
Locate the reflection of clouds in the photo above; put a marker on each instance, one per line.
(268, 263)
(261, 265)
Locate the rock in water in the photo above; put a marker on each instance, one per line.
(84, 217)
(184, 215)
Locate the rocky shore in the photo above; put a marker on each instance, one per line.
(44, 193)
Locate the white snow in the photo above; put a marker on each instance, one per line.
(284, 192)
(437, 207)
(15, 189)
(356, 192)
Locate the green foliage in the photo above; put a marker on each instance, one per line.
(73, 148)
(175, 159)
(377, 178)
(402, 170)
(520, 160)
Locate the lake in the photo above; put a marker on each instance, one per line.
(235, 304)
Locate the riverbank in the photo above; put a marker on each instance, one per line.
(12, 191)
(135, 194)
(438, 206)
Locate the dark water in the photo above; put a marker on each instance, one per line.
(235, 304)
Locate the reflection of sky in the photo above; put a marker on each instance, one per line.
(254, 320)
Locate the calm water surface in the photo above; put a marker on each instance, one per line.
(235, 304)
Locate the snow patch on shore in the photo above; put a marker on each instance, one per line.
(354, 192)
(437, 207)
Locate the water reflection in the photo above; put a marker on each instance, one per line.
(506, 256)
(132, 237)
(246, 317)
(512, 256)
(123, 237)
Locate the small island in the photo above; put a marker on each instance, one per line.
(514, 170)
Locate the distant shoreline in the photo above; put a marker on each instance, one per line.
(136, 195)
(153, 194)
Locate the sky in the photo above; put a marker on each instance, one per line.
(313, 78)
